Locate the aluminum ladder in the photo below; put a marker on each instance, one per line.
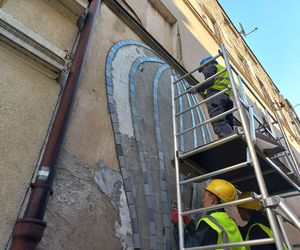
(249, 136)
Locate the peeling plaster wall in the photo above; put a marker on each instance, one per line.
(83, 213)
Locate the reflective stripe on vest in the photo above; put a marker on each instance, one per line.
(221, 82)
(266, 229)
(223, 232)
(225, 227)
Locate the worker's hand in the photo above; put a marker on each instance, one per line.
(174, 217)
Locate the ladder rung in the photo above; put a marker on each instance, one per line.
(208, 146)
(218, 206)
(208, 121)
(205, 100)
(234, 244)
(221, 171)
(199, 84)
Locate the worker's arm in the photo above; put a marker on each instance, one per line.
(208, 71)
(204, 235)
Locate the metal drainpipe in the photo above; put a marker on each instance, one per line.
(29, 230)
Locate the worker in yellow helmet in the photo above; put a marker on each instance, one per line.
(216, 227)
(257, 226)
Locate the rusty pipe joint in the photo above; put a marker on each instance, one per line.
(28, 233)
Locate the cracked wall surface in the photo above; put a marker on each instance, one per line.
(86, 210)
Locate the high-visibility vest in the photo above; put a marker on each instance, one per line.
(221, 82)
(225, 227)
(266, 229)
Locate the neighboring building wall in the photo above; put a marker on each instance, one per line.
(31, 55)
(27, 101)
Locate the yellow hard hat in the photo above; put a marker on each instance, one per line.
(223, 189)
(252, 205)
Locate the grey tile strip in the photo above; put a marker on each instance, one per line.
(188, 96)
(163, 180)
(147, 187)
(181, 125)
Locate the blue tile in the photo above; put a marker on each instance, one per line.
(132, 210)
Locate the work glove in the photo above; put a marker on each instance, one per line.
(174, 217)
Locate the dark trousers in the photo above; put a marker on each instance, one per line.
(218, 105)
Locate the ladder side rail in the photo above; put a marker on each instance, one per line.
(290, 150)
(269, 115)
(287, 158)
(295, 121)
(286, 239)
(285, 218)
(269, 133)
(242, 91)
(283, 174)
(179, 207)
(252, 92)
(254, 158)
(235, 244)
(272, 119)
(208, 121)
(181, 120)
(288, 212)
(252, 125)
(283, 195)
(245, 102)
(200, 84)
(193, 71)
(271, 124)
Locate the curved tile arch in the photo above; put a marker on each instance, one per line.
(147, 187)
(113, 113)
(127, 179)
(162, 167)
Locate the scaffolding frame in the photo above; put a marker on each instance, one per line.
(249, 133)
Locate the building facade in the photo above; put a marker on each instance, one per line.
(114, 180)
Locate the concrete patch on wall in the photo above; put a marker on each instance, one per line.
(123, 61)
(111, 184)
(77, 207)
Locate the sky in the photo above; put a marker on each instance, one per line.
(276, 43)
